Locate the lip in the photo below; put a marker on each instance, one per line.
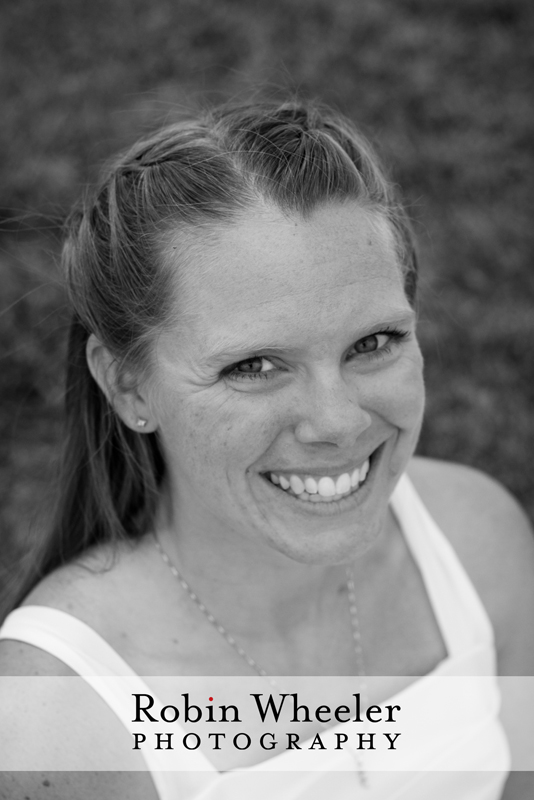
(345, 503)
(330, 470)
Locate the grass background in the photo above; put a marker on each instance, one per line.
(443, 86)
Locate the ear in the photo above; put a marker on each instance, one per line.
(129, 403)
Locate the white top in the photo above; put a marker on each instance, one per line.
(475, 745)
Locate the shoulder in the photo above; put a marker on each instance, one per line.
(58, 739)
(98, 588)
(101, 589)
(54, 721)
(83, 785)
(468, 498)
(491, 535)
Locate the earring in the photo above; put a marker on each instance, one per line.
(141, 422)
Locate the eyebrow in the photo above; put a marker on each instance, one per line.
(229, 349)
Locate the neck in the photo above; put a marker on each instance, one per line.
(243, 580)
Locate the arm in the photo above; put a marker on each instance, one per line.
(50, 717)
(73, 786)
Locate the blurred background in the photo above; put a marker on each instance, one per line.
(442, 86)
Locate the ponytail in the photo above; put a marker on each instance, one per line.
(109, 475)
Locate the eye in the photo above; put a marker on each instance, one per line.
(379, 344)
(369, 344)
(256, 367)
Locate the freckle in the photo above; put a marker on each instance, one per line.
(46, 783)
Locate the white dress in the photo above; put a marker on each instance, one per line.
(473, 741)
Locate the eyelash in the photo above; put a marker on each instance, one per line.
(396, 336)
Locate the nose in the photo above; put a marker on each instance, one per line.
(330, 412)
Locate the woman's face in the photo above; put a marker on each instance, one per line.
(293, 363)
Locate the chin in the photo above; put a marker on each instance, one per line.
(331, 546)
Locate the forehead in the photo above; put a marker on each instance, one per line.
(278, 276)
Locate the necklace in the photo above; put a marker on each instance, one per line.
(209, 616)
(355, 625)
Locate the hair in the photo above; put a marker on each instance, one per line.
(200, 171)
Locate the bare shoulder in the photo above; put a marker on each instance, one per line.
(468, 498)
(82, 586)
(65, 589)
(103, 580)
(55, 721)
(102, 589)
(81, 785)
(492, 536)
(21, 659)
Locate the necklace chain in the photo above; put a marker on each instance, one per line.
(209, 616)
(355, 624)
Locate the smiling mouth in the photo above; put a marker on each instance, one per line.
(325, 489)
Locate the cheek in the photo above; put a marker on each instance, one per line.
(398, 394)
(219, 433)
(411, 392)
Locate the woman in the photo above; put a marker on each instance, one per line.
(244, 398)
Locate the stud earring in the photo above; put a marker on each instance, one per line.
(141, 422)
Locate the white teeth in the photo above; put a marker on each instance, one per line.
(343, 484)
(318, 498)
(296, 484)
(311, 485)
(326, 487)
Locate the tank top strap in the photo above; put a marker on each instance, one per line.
(87, 654)
(68, 639)
(463, 620)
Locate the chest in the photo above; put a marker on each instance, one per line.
(186, 655)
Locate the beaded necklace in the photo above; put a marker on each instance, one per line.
(355, 625)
